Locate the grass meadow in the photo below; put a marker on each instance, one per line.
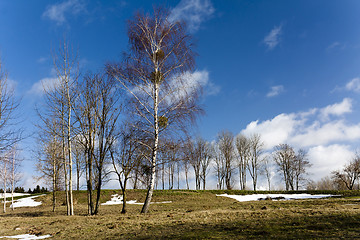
(192, 215)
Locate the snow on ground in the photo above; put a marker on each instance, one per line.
(27, 237)
(26, 202)
(256, 197)
(8, 195)
(118, 199)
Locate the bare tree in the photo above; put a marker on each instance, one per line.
(79, 155)
(156, 73)
(59, 100)
(66, 65)
(267, 171)
(97, 112)
(284, 156)
(49, 155)
(171, 150)
(4, 174)
(325, 183)
(243, 149)
(194, 160)
(206, 152)
(15, 163)
(301, 163)
(225, 141)
(9, 133)
(293, 166)
(185, 162)
(125, 155)
(349, 174)
(255, 161)
(219, 167)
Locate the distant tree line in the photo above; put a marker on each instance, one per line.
(347, 178)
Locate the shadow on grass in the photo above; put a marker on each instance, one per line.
(304, 227)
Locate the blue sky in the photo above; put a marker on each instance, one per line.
(289, 70)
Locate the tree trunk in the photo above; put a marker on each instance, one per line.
(78, 175)
(71, 200)
(13, 180)
(5, 178)
(65, 174)
(178, 176)
(150, 191)
(98, 193)
(149, 194)
(89, 182)
(124, 197)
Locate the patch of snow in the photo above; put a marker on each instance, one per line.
(118, 199)
(8, 195)
(27, 202)
(26, 237)
(256, 197)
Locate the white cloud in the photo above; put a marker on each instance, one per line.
(333, 45)
(181, 86)
(275, 90)
(325, 159)
(11, 84)
(337, 109)
(57, 12)
(273, 38)
(301, 130)
(191, 82)
(193, 12)
(47, 83)
(330, 142)
(42, 59)
(275, 131)
(322, 134)
(353, 85)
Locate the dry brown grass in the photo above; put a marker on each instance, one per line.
(191, 215)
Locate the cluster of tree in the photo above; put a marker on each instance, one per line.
(37, 189)
(16, 190)
(230, 156)
(121, 116)
(10, 135)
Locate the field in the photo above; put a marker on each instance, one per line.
(192, 215)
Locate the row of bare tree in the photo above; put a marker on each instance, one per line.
(230, 156)
(10, 135)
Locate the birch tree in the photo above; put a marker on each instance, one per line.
(66, 66)
(156, 73)
(10, 134)
(49, 155)
(15, 175)
(59, 99)
(4, 175)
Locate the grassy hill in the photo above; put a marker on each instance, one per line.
(192, 215)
